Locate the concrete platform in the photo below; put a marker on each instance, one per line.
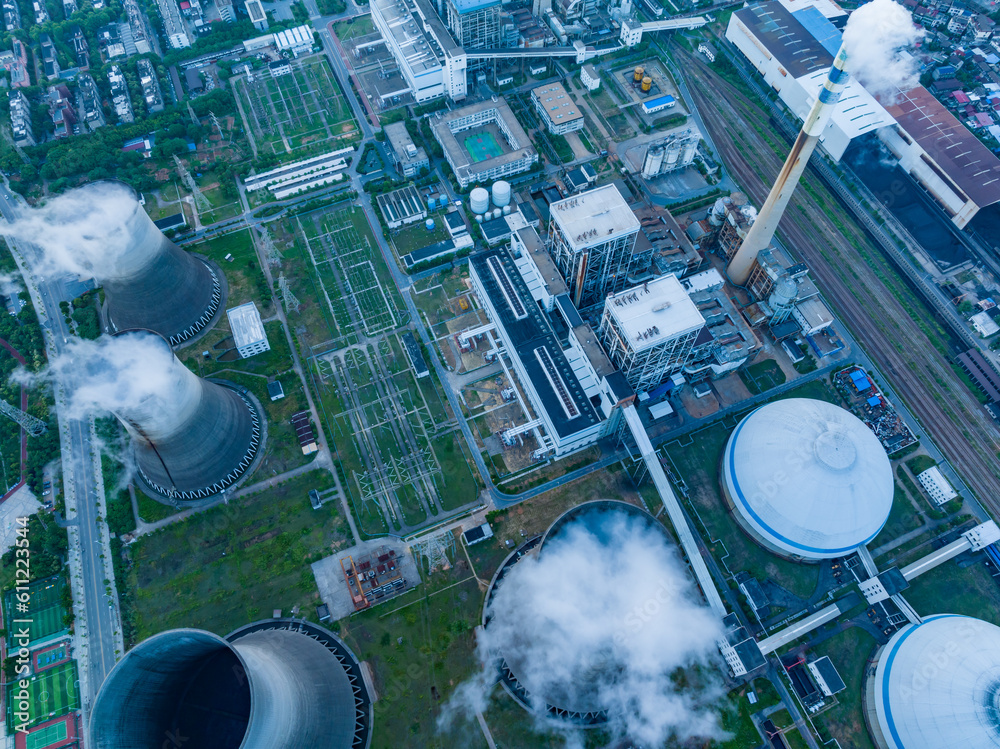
(333, 587)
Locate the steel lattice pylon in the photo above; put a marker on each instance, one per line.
(200, 201)
(29, 423)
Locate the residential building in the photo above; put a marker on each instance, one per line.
(18, 65)
(79, 43)
(119, 95)
(409, 158)
(50, 61)
(110, 38)
(429, 60)
(174, 27)
(556, 108)
(226, 10)
(258, 17)
(69, 7)
(590, 77)
(138, 25)
(20, 119)
(150, 86)
(89, 98)
(62, 111)
(41, 12)
(11, 14)
(592, 238)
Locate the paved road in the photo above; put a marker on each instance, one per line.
(98, 615)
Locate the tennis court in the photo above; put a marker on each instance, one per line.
(47, 736)
(49, 656)
(482, 146)
(53, 693)
(44, 608)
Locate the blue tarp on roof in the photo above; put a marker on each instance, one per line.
(862, 384)
(857, 374)
(874, 401)
(665, 99)
(820, 27)
(661, 390)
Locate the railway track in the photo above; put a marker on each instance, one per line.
(857, 288)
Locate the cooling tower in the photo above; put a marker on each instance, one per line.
(936, 684)
(806, 479)
(762, 232)
(194, 440)
(155, 285)
(277, 684)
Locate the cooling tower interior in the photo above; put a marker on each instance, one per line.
(936, 685)
(202, 442)
(155, 285)
(807, 479)
(276, 684)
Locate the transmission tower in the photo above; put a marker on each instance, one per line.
(200, 201)
(216, 125)
(29, 423)
(271, 254)
(435, 550)
(194, 117)
(291, 303)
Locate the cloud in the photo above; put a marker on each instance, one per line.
(876, 37)
(605, 617)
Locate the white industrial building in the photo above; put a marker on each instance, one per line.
(792, 44)
(409, 157)
(934, 685)
(572, 389)
(557, 109)
(936, 485)
(297, 41)
(807, 479)
(674, 152)
(650, 330)
(249, 336)
(430, 61)
(590, 78)
(255, 9)
(592, 237)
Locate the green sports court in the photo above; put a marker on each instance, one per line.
(47, 736)
(482, 146)
(44, 609)
(53, 693)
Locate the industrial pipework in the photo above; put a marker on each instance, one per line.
(762, 232)
(277, 684)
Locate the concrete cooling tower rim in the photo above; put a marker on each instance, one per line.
(123, 688)
(581, 715)
(936, 685)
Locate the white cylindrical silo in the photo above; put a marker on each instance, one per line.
(479, 200)
(501, 193)
(807, 479)
(497, 213)
(506, 210)
(936, 684)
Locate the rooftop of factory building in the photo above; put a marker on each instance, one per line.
(401, 142)
(468, 6)
(533, 342)
(401, 204)
(246, 325)
(405, 20)
(654, 312)
(594, 216)
(551, 277)
(786, 38)
(558, 104)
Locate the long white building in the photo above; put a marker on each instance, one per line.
(430, 61)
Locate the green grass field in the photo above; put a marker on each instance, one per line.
(44, 609)
(46, 736)
(53, 693)
(482, 147)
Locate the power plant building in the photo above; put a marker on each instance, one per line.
(807, 480)
(650, 330)
(592, 237)
(475, 24)
(934, 685)
(408, 156)
(429, 60)
(249, 335)
(557, 109)
(794, 49)
(677, 151)
(275, 684)
(572, 388)
(483, 142)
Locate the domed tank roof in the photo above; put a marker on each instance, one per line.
(807, 478)
(937, 685)
(784, 292)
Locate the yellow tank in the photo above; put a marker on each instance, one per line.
(638, 73)
(647, 83)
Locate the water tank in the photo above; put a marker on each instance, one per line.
(431, 203)
(501, 193)
(497, 213)
(739, 198)
(429, 223)
(647, 83)
(479, 200)
(479, 218)
(784, 293)
(639, 72)
(506, 210)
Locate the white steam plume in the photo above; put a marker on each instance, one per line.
(10, 285)
(589, 622)
(134, 375)
(875, 37)
(83, 231)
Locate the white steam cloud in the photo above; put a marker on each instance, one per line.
(134, 375)
(83, 231)
(596, 624)
(876, 36)
(10, 285)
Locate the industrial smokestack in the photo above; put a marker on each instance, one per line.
(762, 232)
(873, 38)
(277, 684)
(192, 438)
(101, 230)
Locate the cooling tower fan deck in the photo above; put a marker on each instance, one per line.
(195, 440)
(154, 284)
(275, 684)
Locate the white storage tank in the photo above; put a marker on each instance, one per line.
(479, 218)
(497, 213)
(429, 223)
(479, 200)
(501, 193)
(506, 210)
